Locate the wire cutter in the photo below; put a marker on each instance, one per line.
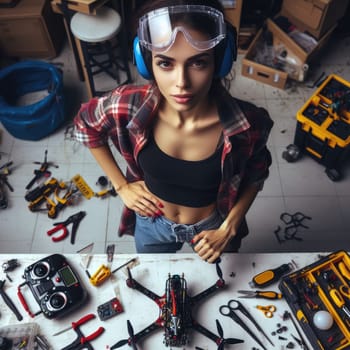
(75, 219)
(259, 294)
(82, 342)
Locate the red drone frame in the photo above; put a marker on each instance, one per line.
(175, 313)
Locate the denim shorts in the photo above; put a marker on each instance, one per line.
(161, 235)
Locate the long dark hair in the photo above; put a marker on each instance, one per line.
(151, 5)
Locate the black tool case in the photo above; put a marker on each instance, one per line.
(309, 290)
(323, 125)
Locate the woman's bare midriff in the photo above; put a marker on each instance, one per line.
(186, 215)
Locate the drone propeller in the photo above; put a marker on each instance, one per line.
(218, 268)
(130, 340)
(131, 333)
(219, 328)
(223, 340)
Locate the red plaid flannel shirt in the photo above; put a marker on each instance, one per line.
(124, 117)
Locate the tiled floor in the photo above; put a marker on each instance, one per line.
(292, 187)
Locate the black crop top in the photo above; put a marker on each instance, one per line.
(188, 183)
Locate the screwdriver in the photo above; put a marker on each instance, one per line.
(74, 325)
(103, 272)
(339, 301)
(267, 277)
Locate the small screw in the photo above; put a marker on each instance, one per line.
(281, 329)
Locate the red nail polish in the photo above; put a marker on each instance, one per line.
(160, 205)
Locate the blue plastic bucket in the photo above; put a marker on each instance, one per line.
(38, 119)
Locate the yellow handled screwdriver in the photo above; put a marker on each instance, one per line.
(339, 300)
(267, 277)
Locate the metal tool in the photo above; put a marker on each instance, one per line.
(9, 302)
(42, 171)
(81, 321)
(301, 341)
(259, 294)
(73, 219)
(82, 342)
(230, 309)
(104, 272)
(55, 208)
(339, 301)
(268, 310)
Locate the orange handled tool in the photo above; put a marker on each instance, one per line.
(260, 294)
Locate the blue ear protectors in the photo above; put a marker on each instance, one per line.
(139, 60)
(229, 56)
(230, 53)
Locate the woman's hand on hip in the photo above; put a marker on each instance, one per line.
(138, 198)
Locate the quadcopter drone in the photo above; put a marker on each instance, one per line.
(175, 313)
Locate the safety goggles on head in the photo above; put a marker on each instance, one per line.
(158, 29)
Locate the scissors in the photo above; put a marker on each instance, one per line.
(230, 309)
(268, 310)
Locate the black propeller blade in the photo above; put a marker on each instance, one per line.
(129, 341)
(131, 334)
(218, 268)
(119, 344)
(219, 328)
(225, 340)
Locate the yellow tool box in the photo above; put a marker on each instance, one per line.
(323, 126)
(319, 297)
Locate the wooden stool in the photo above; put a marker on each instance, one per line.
(101, 48)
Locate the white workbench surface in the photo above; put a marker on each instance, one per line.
(152, 272)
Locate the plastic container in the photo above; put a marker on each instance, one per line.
(34, 120)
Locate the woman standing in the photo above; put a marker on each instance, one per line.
(196, 157)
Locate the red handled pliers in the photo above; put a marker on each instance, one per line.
(82, 342)
(75, 219)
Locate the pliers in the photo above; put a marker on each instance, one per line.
(75, 219)
(82, 342)
(260, 294)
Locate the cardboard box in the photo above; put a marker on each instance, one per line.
(260, 72)
(85, 6)
(30, 30)
(314, 16)
(278, 77)
(244, 35)
(283, 38)
(233, 14)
